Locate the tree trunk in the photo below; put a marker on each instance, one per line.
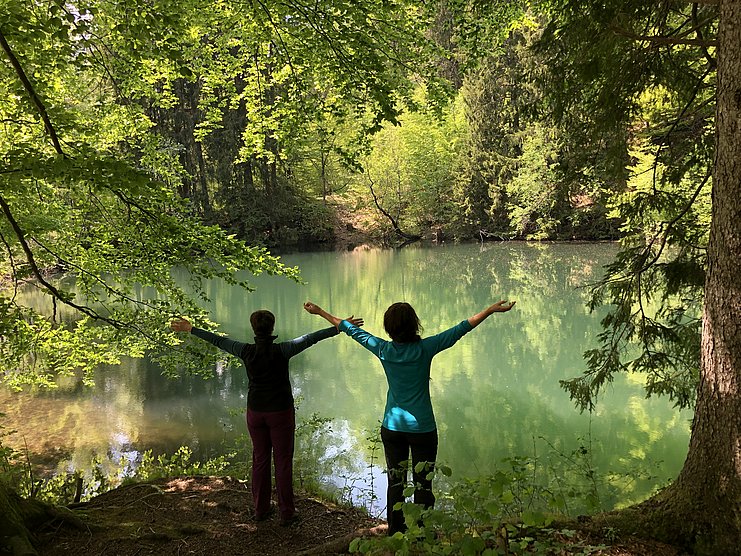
(712, 471)
(19, 517)
(204, 196)
(701, 510)
(14, 535)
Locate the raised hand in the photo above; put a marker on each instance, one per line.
(498, 307)
(502, 306)
(181, 325)
(356, 321)
(314, 309)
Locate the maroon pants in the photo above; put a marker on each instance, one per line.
(272, 432)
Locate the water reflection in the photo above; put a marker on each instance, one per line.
(495, 393)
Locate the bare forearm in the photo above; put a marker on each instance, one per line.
(498, 307)
(478, 318)
(329, 318)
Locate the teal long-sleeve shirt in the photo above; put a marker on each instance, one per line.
(407, 368)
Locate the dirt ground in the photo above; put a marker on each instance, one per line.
(212, 516)
(196, 515)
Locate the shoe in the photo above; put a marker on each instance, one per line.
(288, 521)
(263, 517)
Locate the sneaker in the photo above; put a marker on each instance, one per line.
(288, 521)
(262, 517)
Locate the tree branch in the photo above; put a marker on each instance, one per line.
(110, 290)
(665, 228)
(711, 61)
(39, 276)
(665, 40)
(409, 238)
(11, 259)
(32, 93)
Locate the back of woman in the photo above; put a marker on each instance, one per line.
(408, 421)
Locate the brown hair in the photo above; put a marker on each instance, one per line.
(402, 323)
(262, 322)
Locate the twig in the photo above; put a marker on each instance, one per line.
(408, 237)
(654, 39)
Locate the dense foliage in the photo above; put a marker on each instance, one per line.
(86, 190)
(109, 112)
(136, 137)
(636, 85)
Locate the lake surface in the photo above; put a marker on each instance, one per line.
(495, 393)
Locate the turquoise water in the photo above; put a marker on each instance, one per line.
(495, 393)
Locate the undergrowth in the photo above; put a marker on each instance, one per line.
(513, 509)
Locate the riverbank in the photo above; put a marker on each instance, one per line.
(200, 515)
(212, 516)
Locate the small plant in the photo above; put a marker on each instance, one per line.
(10, 469)
(509, 511)
(312, 440)
(368, 495)
(179, 463)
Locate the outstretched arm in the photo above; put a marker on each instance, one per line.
(498, 307)
(230, 346)
(351, 327)
(181, 325)
(297, 345)
(314, 309)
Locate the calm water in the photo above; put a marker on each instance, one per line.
(495, 393)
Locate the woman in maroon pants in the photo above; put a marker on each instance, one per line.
(271, 417)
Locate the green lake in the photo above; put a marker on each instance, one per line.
(495, 393)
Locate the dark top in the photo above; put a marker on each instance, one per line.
(267, 365)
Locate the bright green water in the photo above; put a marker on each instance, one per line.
(495, 393)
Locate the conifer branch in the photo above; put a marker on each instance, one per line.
(665, 40)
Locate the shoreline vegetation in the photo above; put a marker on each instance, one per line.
(364, 229)
(175, 504)
(210, 514)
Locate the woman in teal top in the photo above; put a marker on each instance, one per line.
(408, 420)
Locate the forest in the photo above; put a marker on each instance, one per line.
(139, 136)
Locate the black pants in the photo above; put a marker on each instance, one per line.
(397, 445)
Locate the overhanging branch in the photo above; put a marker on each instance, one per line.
(408, 237)
(56, 294)
(32, 93)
